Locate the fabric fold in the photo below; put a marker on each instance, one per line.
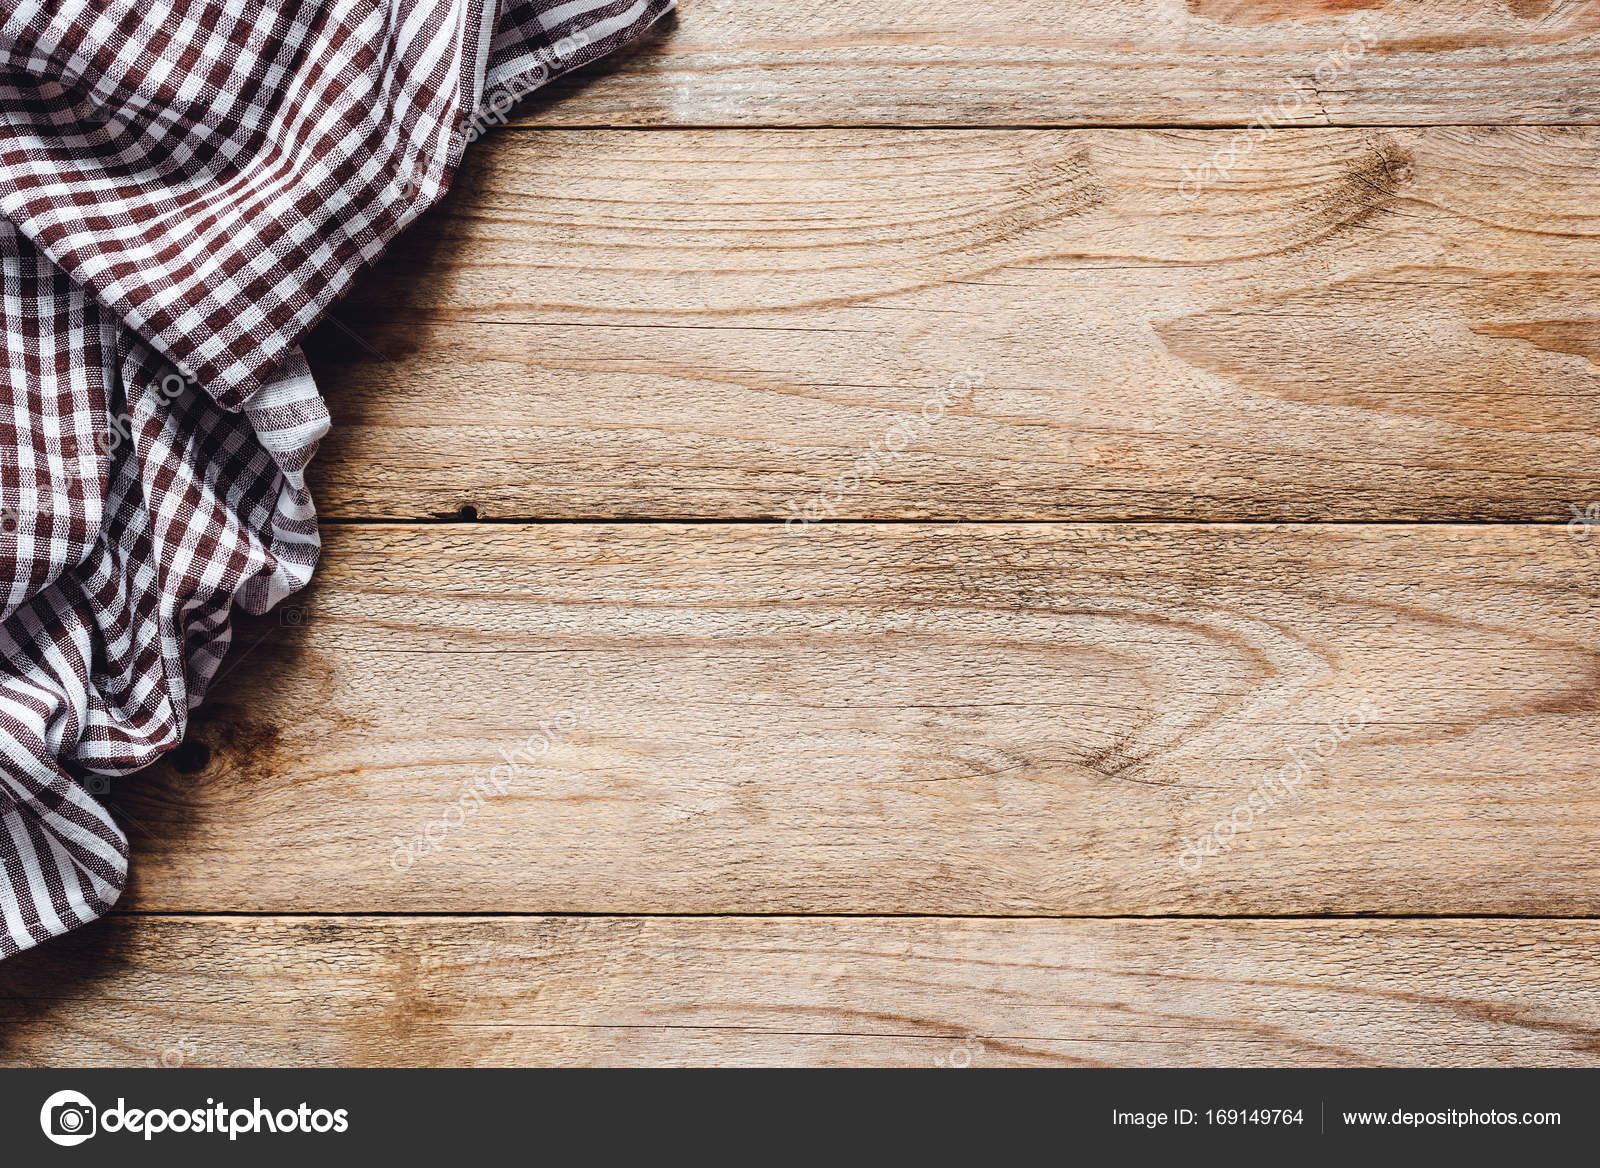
(186, 188)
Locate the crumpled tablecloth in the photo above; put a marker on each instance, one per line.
(186, 187)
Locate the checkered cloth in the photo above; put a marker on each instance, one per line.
(186, 186)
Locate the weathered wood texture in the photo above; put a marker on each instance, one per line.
(1009, 722)
(720, 991)
(901, 719)
(1347, 325)
(1170, 62)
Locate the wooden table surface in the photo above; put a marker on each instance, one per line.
(1196, 663)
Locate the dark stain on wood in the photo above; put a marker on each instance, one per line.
(1250, 12)
(191, 757)
(1353, 343)
(1578, 338)
(1371, 184)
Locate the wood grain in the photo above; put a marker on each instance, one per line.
(1042, 62)
(1027, 726)
(732, 991)
(1344, 325)
(901, 719)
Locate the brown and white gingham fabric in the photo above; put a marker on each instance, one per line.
(186, 186)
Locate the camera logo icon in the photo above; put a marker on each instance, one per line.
(68, 1118)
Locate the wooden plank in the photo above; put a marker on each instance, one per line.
(1039, 62)
(1349, 325)
(901, 719)
(741, 991)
